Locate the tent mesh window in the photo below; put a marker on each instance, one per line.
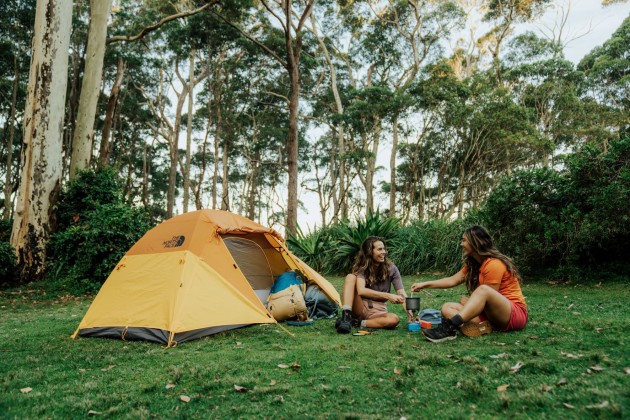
(253, 262)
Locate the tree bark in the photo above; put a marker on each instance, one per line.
(105, 147)
(8, 185)
(392, 169)
(191, 77)
(83, 139)
(41, 160)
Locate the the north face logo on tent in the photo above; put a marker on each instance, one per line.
(175, 242)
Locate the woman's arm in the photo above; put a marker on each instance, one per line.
(443, 283)
(366, 293)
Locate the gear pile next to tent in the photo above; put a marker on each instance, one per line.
(194, 275)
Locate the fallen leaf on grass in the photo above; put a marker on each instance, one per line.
(272, 382)
(184, 398)
(602, 404)
(570, 355)
(283, 366)
(546, 388)
(567, 405)
(295, 366)
(498, 356)
(596, 368)
(93, 413)
(170, 385)
(240, 388)
(343, 367)
(502, 388)
(498, 344)
(26, 390)
(571, 306)
(562, 381)
(627, 370)
(397, 371)
(516, 367)
(110, 367)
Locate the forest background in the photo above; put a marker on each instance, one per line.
(159, 108)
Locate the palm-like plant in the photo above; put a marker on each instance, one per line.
(350, 237)
(311, 247)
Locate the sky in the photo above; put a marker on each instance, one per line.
(589, 24)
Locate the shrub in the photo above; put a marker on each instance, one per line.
(84, 254)
(96, 229)
(346, 239)
(7, 254)
(574, 223)
(311, 248)
(7, 263)
(526, 215)
(86, 193)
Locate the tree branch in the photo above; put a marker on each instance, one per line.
(151, 28)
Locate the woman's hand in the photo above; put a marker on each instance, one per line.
(416, 287)
(395, 298)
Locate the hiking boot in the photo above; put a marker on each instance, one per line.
(445, 331)
(344, 322)
(475, 329)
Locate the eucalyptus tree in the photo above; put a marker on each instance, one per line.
(279, 32)
(503, 15)
(607, 83)
(407, 36)
(547, 84)
(41, 158)
(83, 137)
(16, 34)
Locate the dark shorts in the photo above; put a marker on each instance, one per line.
(518, 318)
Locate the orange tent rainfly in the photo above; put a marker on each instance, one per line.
(191, 276)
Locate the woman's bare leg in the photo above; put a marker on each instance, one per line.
(496, 307)
(388, 321)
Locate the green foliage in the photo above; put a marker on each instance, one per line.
(7, 263)
(428, 246)
(7, 253)
(350, 236)
(311, 247)
(84, 254)
(98, 228)
(86, 193)
(575, 222)
(334, 248)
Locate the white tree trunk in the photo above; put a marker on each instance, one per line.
(84, 130)
(41, 164)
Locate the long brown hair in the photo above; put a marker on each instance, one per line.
(480, 242)
(364, 263)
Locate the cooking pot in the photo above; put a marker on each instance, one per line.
(413, 303)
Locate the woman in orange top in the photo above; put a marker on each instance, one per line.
(495, 302)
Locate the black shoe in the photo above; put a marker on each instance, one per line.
(344, 323)
(445, 331)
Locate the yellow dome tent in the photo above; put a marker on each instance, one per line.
(193, 275)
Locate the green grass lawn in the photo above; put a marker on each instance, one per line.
(570, 362)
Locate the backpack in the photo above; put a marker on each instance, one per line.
(286, 297)
(319, 305)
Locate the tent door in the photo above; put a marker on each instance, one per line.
(252, 261)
